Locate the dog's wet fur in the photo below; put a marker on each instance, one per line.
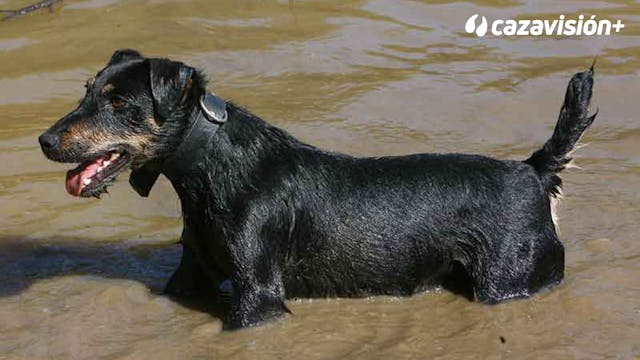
(276, 218)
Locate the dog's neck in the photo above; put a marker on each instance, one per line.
(218, 163)
(196, 146)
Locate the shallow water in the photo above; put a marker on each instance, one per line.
(81, 278)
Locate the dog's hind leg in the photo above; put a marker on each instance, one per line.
(519, 269)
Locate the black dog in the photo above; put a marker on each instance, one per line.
(279, 218)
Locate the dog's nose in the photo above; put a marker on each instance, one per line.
(48, 141)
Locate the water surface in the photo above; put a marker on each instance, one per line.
(82, 278)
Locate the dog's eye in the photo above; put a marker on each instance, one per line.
(117, 103)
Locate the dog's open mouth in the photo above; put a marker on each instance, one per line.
(92, 177)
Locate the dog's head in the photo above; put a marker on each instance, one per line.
(133, 114)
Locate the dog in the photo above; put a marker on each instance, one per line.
(269, 218)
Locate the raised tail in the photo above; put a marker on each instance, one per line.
(573, 120)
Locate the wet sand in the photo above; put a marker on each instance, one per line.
(81, 278)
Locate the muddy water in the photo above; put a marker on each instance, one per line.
(81, 278)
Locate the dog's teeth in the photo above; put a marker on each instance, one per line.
(105, 164)
(86, 182)
(114, 156)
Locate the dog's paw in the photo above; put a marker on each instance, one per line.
(255, 311)
(244, 320)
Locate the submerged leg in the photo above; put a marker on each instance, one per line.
(190, 278)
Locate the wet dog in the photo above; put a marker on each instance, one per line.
(277, 218)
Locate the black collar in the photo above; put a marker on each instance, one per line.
(204, 122)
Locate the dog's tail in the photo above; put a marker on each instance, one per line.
(572, 122)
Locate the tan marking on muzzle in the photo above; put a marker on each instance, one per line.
(73, 132)
(107, 89)
(153, 123)
(99, 140)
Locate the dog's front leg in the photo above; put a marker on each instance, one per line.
(195, 275)
(189, 278)
(259, 290)
(255, 303)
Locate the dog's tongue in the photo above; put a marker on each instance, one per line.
(76, 177)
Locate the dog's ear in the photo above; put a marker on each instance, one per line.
(142, 180)
(170, 81)
(124, 55)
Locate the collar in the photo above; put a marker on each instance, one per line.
(214, 108)
(204, 122)
(210, 107)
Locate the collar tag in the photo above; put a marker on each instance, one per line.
(214, 108)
